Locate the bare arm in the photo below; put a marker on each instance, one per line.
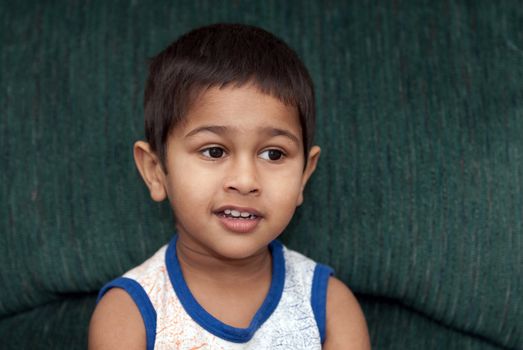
(346, 327)
(116, 323)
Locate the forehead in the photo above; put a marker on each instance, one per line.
(244, 107)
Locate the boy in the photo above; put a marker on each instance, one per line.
(229, 120)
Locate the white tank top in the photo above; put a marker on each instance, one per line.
(292, 315)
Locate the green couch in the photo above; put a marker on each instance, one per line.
(417, 202)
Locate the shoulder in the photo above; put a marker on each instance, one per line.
(116, 323)
(345, 325)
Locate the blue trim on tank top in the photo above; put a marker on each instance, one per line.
(320, 283)
(142, 301)
(209, 322)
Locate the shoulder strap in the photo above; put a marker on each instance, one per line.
(320, 281)
(142, 301)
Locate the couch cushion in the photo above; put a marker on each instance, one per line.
(394, 327)
(58, 325)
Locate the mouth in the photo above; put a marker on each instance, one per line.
(238, 220)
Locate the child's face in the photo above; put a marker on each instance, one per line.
(238, 152)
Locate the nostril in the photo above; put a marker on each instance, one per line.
(244, 183)
(242, 190)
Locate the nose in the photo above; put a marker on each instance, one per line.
(242, 177)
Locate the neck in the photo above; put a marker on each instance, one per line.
(221, 270)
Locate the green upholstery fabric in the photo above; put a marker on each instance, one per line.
(59, 325)
(417, 202)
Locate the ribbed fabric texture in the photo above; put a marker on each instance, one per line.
(417, 202)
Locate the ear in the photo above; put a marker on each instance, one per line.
(151, 170)
(312, 161)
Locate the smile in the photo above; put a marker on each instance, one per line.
(238, 214)
(238, 220)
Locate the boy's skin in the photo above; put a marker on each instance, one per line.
(237, 148)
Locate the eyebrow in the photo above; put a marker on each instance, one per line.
(280, 132)
(220, 130)
(215, 129)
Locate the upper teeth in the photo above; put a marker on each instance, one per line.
(237, 213)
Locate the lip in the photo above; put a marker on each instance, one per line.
(238, 225)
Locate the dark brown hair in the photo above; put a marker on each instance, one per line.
(222, 55)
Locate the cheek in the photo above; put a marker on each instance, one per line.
(283, 201)
(191, 185)
(285, 190)
(194, 188)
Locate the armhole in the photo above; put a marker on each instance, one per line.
(320, 282)
(142, 301)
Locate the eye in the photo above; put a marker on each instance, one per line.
(271, 154)
(213, 152)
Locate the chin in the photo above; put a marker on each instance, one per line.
(239, 250)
